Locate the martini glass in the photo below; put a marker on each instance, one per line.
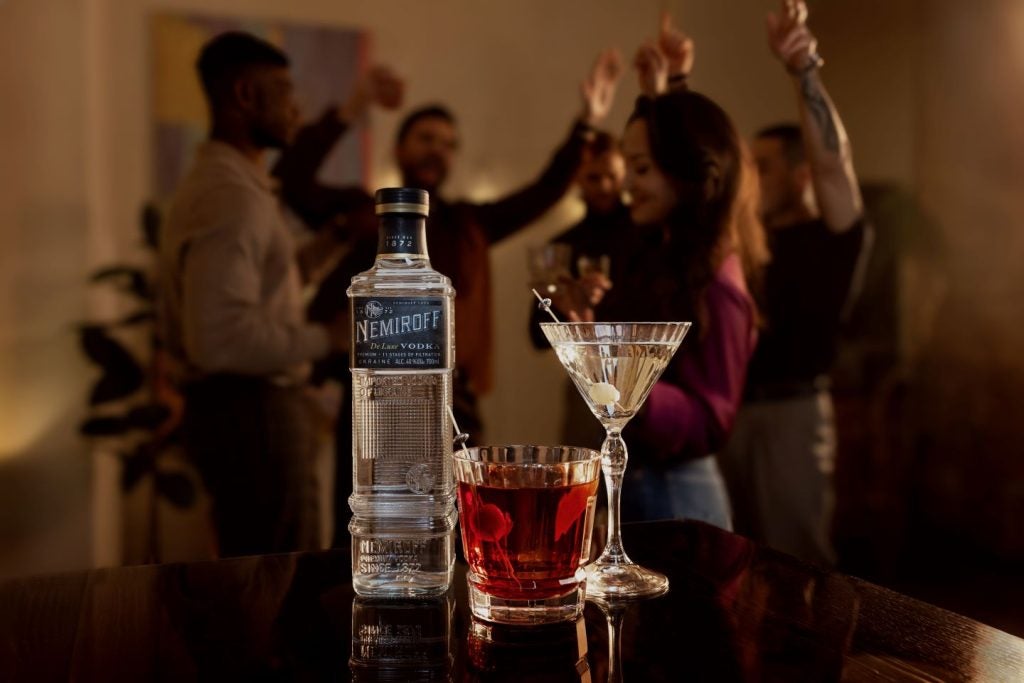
(614, 366)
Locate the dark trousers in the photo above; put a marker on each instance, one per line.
(254, 443)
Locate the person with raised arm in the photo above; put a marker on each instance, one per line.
(459, 232)
(779, 463)
(698, 244)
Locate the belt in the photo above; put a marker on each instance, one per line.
(780, 391)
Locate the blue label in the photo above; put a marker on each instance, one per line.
(399, 333)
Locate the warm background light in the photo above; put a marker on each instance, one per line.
(929, 91)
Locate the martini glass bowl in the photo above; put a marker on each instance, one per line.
(614, 366)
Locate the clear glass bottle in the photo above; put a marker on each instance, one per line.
(402, 356)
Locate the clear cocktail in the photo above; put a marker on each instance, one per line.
(614, 366)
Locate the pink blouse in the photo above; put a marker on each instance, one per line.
(690, 411)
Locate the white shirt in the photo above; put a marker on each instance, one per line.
(230, 296)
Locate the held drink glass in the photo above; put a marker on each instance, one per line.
(594, 265)
(527, 515)
(549, 263)
(614, 366)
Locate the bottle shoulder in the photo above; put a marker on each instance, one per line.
(400, 281)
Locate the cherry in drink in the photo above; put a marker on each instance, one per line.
(527, 542)
(527, 514)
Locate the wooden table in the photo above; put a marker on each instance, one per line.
(735, 612)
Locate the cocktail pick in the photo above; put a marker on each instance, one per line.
(545, 305)
(600, 392)
(461, 437)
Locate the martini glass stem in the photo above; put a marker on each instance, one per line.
(613, 464)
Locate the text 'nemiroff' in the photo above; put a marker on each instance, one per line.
(367, 330)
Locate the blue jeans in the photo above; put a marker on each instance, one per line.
(689, 490)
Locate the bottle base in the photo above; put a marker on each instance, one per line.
(395, 559)
(402, 585)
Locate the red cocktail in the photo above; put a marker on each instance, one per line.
(527, 513)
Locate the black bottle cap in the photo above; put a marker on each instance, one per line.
(402, 200)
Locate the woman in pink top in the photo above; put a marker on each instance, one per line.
(697, 244)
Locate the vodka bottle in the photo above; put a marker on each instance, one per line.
(402, 355)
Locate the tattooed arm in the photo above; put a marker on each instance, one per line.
(825, 141)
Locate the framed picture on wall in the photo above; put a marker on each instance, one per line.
(325, 61)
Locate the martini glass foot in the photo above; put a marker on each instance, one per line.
(618, 581)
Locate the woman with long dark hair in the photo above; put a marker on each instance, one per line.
(697, 254)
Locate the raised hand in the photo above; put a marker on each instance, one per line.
(651, 69)
(379, 85)
(676, 46)
(790, 39)
(598, 88)
(594, 286)
(826, 144)
(386, 87)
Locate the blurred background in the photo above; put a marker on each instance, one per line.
(930, 385)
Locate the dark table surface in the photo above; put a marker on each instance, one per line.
(734, 612)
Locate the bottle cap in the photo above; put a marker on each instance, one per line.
(402, 200)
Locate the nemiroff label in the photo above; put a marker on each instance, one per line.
(399, 333)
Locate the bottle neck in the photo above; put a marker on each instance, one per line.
(402, 237)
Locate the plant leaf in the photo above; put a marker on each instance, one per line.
(103, 426)
(128, 279)
(149, 416)
(151, 225)
(136, 318)
(137, 465)
(177, 488)
(122, 375)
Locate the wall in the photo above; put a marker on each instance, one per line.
(969, 470)
(44, 258)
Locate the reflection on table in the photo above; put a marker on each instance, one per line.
(734, 612)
